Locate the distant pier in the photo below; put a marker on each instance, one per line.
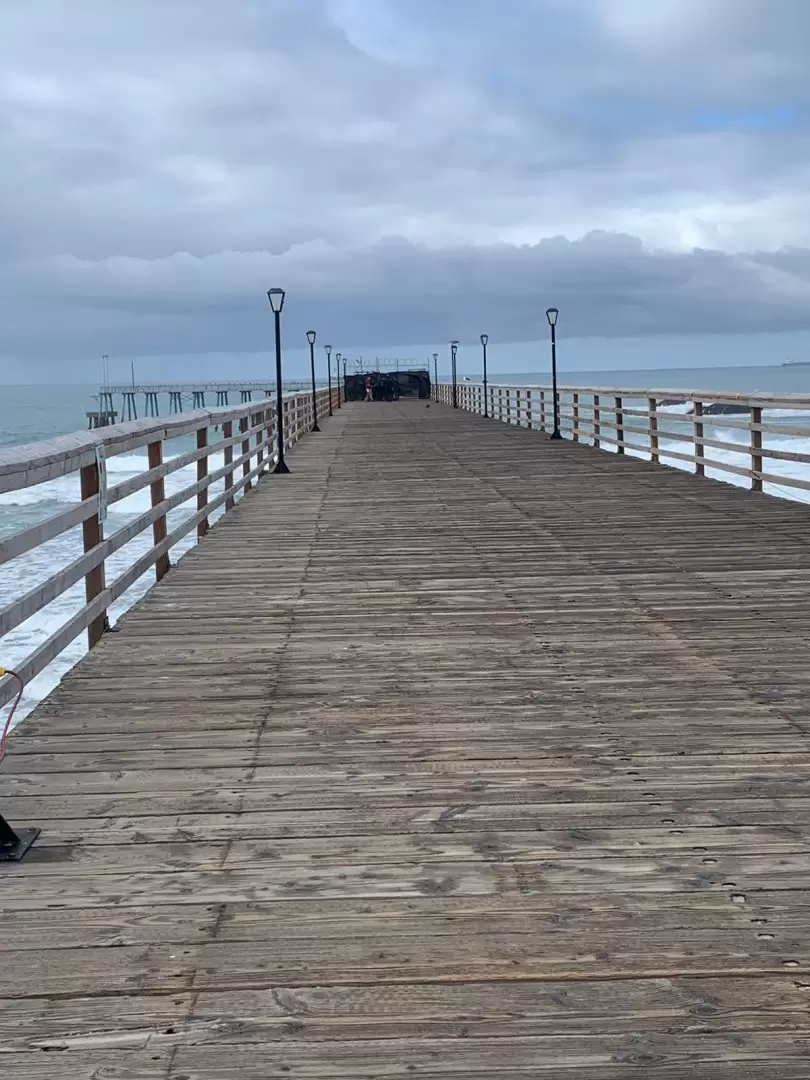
(98, 418)
(180, 396)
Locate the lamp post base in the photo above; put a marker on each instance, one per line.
(555, 434)
(315, 427)
(281, 467)
(14, 844)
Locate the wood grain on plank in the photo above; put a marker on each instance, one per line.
(457, 751)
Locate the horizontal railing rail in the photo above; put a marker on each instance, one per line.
(223, 386)
(729, 433)
(245, 438)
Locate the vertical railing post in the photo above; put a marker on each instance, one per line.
(92, 535)
(529, 409)
(575, 412)
(259, 420)
(652, 408)
(243, 426)
(597, 427)
(619, 425)
(227, 433)
(202, 473)
(756, 448)
(700, 450)
(517, 407)
(542, 410)
(158, 490)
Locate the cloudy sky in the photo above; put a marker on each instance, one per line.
(409, 170)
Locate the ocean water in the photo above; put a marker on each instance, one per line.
(30, 414)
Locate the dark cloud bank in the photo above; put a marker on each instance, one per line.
(408, 171)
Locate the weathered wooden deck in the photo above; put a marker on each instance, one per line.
(456, 752)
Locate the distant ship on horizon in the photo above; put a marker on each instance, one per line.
(796, 363)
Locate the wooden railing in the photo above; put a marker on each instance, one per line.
(679, 427)
(245, 436)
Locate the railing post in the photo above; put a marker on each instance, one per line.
(597, 427)
(227, 433)
(619, 425)
(259, 419)
(575, 412)
(517, 407)
(542, 410)
(158, 490)
(92, 535)
(700, 468)
(529, 409)
(244, 424)
(756, 448)
(652, 408)
(202, 473)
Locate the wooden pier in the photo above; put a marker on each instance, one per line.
(455, 753)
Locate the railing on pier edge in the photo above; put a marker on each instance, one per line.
(598, 416)
(250, 429)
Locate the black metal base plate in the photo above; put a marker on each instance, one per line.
(25, 838)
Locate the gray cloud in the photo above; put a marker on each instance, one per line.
(407, 169)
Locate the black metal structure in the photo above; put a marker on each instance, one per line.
(13, 845)
(276, 298)
(484, 343)
(311, 336)
(551, 315)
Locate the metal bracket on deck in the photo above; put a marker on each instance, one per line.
(14, 845)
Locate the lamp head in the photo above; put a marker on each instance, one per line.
(276, 298)
(338, 357)
(453, 347)
(328, 350)
(551, 315)
(311, 335)
(484, 339)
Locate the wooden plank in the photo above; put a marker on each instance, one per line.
(785, 825)
(609, 1057)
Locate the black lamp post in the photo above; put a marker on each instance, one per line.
(276, 298)
(453, 351)
(311, 335)
(436, 369)
(551, 315)
(328, 350)
(484, 342)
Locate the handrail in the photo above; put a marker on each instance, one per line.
(250, 428)
(598, 416)
(223, 386)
